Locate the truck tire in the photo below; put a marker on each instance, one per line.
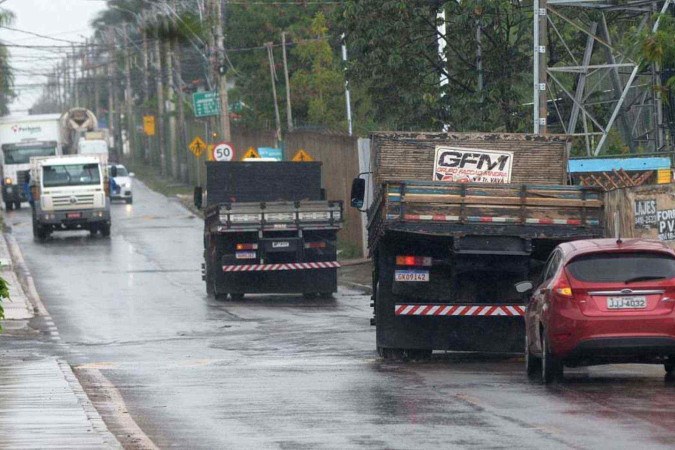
(8, 206)
(104, 228)
(384, 308)
(17, 205)
(129, 200)
(209, 279)
(670, 365)
(237, 297)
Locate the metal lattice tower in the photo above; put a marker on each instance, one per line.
(589, 79)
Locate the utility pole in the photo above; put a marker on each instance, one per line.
(160, 103)
(67, 85)
(222, 79)
(289, 111)
(347, 94)
(128, 97)
(76, 87)
(170, 104)
(273, 76)
(111, 86)
(146, 81)
(97, 88)
(182, 141)
(540, 108)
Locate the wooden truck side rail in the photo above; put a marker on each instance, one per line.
(440, 208)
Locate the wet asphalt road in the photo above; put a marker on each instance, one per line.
(283, 372)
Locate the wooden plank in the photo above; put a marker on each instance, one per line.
(474, 200)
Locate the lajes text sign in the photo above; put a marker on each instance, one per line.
(472, 165)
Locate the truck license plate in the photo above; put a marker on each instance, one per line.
(245, 255)
(639, 302)
(76, 215)
(411, 275)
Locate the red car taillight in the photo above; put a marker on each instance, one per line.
(562, 288)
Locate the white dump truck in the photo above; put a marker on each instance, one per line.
(21, 138)
(70, 193)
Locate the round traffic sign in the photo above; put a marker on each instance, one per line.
(223, 151)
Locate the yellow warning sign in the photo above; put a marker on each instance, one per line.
(302, 156)
(197, 146)
(250, 153)
(663, 176)
(149, 125)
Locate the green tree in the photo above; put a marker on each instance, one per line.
(394, 53)
(318, 81)
(6, 75)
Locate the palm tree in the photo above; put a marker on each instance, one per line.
(6, 75)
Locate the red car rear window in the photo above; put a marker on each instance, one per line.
(622, 267)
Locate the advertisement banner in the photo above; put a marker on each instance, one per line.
(472, 165)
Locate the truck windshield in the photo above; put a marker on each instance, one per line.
(22, 155)
(70, 175)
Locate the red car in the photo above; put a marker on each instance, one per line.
(601, 301)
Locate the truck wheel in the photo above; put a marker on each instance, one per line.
(209, 280)
(8, 206)
(130, 200)
(390, 354)
(670, 365)
(104, 228)
(17, 205)
(237, 297)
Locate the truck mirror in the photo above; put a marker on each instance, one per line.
(523, 287)
(198, 197)
(113, 171)
(358, 192)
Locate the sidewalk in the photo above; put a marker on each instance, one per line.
(42, 404)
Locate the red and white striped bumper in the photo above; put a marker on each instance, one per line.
(278, 267)
(460, 310)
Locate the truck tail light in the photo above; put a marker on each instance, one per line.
(320, 244)
(247, 247)
(413, 261)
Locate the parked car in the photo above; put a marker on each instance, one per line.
(122, 188)
(601, 301)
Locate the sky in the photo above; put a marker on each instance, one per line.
(62, 19)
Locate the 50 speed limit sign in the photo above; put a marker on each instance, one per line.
(223, 151)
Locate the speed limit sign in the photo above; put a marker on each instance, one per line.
(223, 151)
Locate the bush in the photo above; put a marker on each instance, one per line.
(4, 293)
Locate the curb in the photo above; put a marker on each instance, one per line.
(28, 284)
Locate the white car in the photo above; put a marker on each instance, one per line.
(122, 188)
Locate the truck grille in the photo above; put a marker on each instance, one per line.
(69, 201)
(21, 177)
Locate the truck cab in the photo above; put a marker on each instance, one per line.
(16, 166)
(70, 193)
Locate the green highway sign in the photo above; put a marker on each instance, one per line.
(206, 103)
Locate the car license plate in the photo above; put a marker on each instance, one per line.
(73, 215)
(627, 302)
(411, 275)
